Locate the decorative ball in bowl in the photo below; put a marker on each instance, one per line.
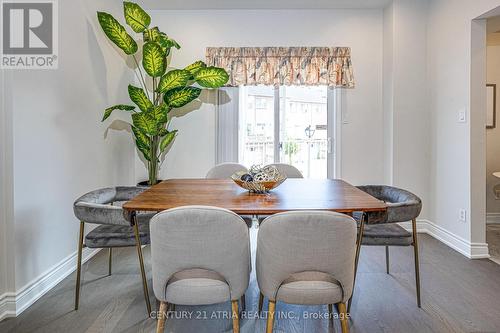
(259, 179)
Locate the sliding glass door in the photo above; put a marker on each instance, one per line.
(286, 125)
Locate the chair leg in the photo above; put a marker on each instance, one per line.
(344, 322)
(79, 265)
(270, 317)
(141, 263)
(387, 259)
(417, 266)
(243, 303)
(236, 319)
(110, 259)
(162, 317)
(356, 259)
(261, 301)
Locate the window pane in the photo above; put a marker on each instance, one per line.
(303, 129)
(256, 118)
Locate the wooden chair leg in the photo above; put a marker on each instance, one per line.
(162, 317)
(261, 301)
(344, 321)
(417, 266)
(236, 319)
(79, 265)
(387, 259)
(270, 317)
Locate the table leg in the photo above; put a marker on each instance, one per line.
(141, 262)
(356, 259)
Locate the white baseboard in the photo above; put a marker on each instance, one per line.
(492, 218)
(468, 249)
(13, 304)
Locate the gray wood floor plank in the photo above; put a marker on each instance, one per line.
(458, 295)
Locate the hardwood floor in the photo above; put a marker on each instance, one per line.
(458, 295)
(493, 240)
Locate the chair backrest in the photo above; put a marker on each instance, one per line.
(303, 241)
(402, 205)
(209, 238)
(95, 206)
(289, 170)
(225, 170)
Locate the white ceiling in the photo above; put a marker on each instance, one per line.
(263, 4)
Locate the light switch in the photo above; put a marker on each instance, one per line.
(462, 116)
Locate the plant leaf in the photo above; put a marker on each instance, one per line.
(144, 150)
(138, 96)
(110, 110)
(163, 131)
(142, 142)
(145, 122)
(117, 33)
(196, 66)
(159, 113)
(166, 42)
(167, 140)
(173, 79)
(153, 59)
(211, 77)
(181, 96)
(135, 16)
(140, 138)
(151, 35)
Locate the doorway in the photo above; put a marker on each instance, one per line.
(493, 137)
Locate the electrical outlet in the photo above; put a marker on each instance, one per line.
(462, 215)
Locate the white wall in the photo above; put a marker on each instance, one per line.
(493, 135)
(454, 151)
(6, 221)
(406, 116)
(59, 145)
(388, 92)
(193, 152)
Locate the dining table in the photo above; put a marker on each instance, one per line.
(334, 195)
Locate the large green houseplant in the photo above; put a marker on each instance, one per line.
(161, 89)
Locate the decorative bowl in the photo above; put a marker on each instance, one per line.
(259, 179)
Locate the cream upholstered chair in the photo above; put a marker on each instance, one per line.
(224, 170)
(200, 255)
(306, 257)
(289, 170)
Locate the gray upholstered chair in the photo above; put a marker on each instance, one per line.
(382, 228)
(289, 170)
(306, 257)
(97, 207)
(224, 170)
(200, 255)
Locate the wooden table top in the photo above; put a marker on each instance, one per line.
(294, 194)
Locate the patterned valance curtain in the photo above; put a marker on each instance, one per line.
(308, 66)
